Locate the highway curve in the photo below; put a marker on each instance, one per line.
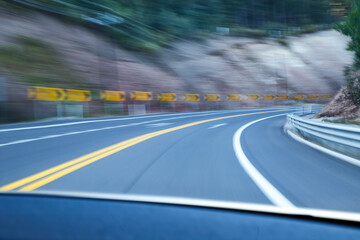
(218, 155)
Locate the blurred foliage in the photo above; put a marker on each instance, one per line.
(311, 28)
(354, 121)
(36, 63)
(351, 27)
(136, 23)
(352, 77)
(147, 26)
(248, 32)
(283, 41)
(217, 52)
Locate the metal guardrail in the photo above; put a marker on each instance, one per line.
(338, 137)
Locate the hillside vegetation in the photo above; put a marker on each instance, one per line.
(37, 63)
(146, 26)
(90, 45)
(346, 105)
(38, 49)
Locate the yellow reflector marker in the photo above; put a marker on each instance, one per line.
(282, 97)
(326, 96)
(233, 97)
(312, 96)
(46, 94)
(167, 97)
(268, 97)
(253, 97)
(298, 96)
(78, 95)
(191, 97)
(212, 97)
(115, 96)
(141, 96)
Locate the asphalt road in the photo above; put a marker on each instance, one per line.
(195, 155)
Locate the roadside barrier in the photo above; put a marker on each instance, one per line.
(58, 94)
(341, 138)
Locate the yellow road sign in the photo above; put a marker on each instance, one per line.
(253, 97)
(166, 97)
(115, 96)
(326, 96)
(78, 95)
(233, 97)
(282, 97)
(212, 97)
(312, 96)
(298, 96)
(141, 96)
(268, 97)
(46, 94)
(191, 97)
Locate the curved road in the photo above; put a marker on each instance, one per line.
(219, 155)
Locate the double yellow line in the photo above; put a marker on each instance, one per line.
(40, 179)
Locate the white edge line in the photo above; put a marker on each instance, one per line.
(99, 129)
(199, 114)
(217, 125)
(324, 150)
(265, 186)
(129, 118)
(111, 120)
(327, 214)
(95, 121)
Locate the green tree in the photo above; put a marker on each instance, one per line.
(351, 27)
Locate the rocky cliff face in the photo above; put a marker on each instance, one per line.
(341, 107)
(306, 64)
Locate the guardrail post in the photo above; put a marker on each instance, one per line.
(3, 101)
(86, 109)
(35, 109)
(59, 109)
(74, 109)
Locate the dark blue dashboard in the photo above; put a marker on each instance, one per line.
(47, 217)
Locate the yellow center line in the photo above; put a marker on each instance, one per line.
(39, 175)
(61, 170)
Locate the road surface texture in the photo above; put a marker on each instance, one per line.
(241, 156)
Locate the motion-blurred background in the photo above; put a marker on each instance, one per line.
(279, 51)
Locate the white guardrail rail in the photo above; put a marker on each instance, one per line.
(341, 138)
